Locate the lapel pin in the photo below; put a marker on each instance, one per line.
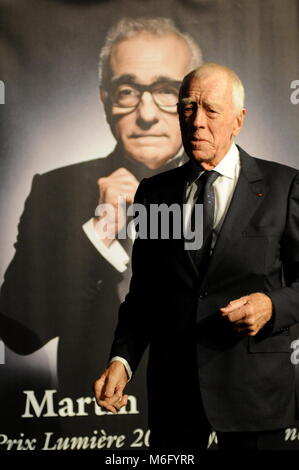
(259, 194)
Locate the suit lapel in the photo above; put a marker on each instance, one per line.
(249, 192)
(248, 195)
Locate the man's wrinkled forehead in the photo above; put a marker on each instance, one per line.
(214, 85)
(149, 58)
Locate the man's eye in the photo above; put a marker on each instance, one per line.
(126, 91)
(165, 95)
(167, 91)
(188, 108)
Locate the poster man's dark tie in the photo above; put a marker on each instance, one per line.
(207, 198)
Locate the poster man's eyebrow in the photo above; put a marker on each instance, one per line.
(131, 79)
(127, 78)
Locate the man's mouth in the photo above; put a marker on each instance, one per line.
(144, 136)
(198, 139)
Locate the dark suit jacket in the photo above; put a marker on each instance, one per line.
(58, 284)
(245, 384)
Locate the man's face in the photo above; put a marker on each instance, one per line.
(148, 133)
(208, 117)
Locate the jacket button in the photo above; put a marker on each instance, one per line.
(204, 294)
(281, 330)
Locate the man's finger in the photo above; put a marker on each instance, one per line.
(107, 406)
(240, 323)
(242, 331)
(120, 388)
(110, 388)
(239, 314)
(234, 304)
(115, 403)
(98, 386)
(116, 407)
(121, 402)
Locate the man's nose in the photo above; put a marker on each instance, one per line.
(148, 111)
(199, 119)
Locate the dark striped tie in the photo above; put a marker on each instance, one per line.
(206, 197)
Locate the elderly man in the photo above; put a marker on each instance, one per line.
(64, 280)
(216, 318)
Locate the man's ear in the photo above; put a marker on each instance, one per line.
(102, 95)
(239, 121)
(104, 99)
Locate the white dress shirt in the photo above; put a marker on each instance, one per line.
(114, 254)
(224, 186)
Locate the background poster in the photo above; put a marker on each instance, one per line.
(52, 117)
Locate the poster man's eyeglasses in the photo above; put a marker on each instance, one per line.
(128, 96)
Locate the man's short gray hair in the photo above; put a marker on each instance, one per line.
(238, 92)
(127, 28)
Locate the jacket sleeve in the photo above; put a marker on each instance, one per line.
(132, 334)
(286, 299)
(21, 301)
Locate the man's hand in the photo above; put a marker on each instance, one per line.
(121, 185)
(108, 389)
(249, 314)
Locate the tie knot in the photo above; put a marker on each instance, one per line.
(204, 183)
(209, 177)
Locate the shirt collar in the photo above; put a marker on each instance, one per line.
(226, 167)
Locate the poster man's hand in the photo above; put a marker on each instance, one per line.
(249, 314)
(121, 185)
